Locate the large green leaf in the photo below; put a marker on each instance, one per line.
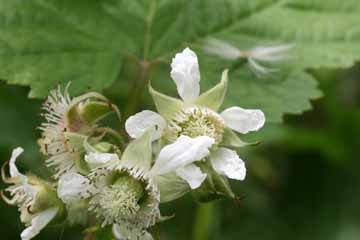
(47, 42)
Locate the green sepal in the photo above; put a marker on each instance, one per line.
(77, 212)
(104, 147)
(80, 164)
(214, 97)
(171, 187)
(76, 141)
(93, 111)
(232, 140)
(214, 187)
(46, 198)
(166, 106)
(86, 110)
(139, 152)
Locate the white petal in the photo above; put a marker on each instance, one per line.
(139, 123)
(243, 120)
(14, 172)
(38, 223)
(73, 186)
(182, 152)
(221, 48)
(192, 174)
(117, 232)
(270, 53)
(185, 73)
(227, 162)
(99, 159)
(122, 233)
(259, 69)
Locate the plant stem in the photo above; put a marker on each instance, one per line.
(140, 83)
(149, 22)
(204, 221)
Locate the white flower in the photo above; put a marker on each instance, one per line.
(196, 119)
(255, 56)
(114, 189)
(180, 156)
(24, 194)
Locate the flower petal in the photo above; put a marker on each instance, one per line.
(221, 48)
(139, 123)
(73, 186)
(14, 172)
(192, 174)
(122, 233)
(243, 120)
(185, 73)
(38, 223)
(100, 159)
(182, 152)
(227, 162)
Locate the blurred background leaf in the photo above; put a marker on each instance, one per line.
(46, 43)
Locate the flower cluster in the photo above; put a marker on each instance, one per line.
(186, 146)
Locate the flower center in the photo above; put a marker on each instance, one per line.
(119, 200)
(196, 121)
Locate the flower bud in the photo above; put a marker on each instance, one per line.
(36, 199)
(68, 123)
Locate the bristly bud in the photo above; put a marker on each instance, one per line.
(68, 123)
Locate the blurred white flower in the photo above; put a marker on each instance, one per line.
(256, 57)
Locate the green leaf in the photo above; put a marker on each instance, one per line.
(45, 43)
(290, 92)
(166, 106)
(214, 97)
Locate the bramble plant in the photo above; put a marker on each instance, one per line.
(121, 184)
(113, 178)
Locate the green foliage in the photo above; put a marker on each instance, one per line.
(46, 43)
